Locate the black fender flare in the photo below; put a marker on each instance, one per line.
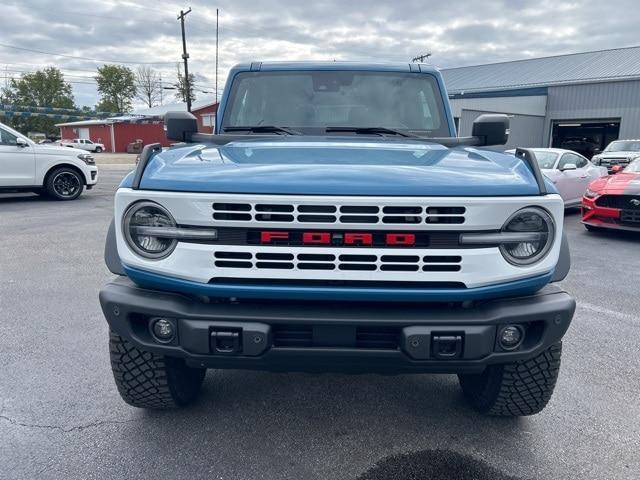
(564, 261)
(111, 257)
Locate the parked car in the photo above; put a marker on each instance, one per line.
(569, 171)
(586, 146)
(84, 144)
(614, 201)
(619, 152)
(61, 172)
(352, 232)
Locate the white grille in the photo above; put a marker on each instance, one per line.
(399, 261)
(342, 214)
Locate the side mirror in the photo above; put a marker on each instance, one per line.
(569, 166)
(616, 169)
(21, 142)
(491, 129)
(180, 126)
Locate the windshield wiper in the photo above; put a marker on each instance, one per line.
(262, 129)
(366, 130)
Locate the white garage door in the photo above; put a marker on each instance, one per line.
(83, 133)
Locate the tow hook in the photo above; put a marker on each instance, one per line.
(226, 342)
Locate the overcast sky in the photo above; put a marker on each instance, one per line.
(456, 32)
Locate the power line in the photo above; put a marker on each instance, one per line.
(80, 58)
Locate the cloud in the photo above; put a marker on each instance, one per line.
(457, 33)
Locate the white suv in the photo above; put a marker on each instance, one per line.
(60, 172)
(84, 144)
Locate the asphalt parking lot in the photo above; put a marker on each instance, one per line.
(61, 416)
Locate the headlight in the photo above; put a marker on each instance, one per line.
(590, 193)
(86, 158)
(530, 220)
(135, 227)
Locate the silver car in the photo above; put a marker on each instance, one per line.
(569, 171)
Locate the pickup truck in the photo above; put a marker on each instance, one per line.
(335, 222)
(84, 144)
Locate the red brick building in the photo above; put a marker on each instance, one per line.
(117, 133)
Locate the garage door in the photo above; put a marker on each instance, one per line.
(584, 136)
(84, 133)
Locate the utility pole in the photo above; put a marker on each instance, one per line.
(215, 114)
(421, 58)
(185, 57)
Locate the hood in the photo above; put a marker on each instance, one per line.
(330, 166)
(618, 184)
(630, 154)
(58, 150)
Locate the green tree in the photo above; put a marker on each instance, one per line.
(117, 88)
(181, 86)
(43, 88)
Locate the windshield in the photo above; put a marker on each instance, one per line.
(633, 167)
(624, 146)
(546, 159)
(311, 101)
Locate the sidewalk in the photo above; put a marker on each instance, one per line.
(115, 158)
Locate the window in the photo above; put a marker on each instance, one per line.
(546, 160)
(310, 101)
(581, 162)
(569, 158)
(208, 120)
(7, 138)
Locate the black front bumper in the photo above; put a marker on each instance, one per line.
(337, 336)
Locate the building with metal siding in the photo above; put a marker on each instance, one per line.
(582, 100)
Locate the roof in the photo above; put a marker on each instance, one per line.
(109, 121)
(160, 110)
(586, 67)
(324, 65)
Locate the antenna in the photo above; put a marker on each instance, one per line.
(421, 58)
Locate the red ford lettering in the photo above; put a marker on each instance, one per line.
(358, 239)
(400, 239)
(316, 238)
(269, 237)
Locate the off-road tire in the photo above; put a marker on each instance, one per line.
(148, 380)
(514, 389)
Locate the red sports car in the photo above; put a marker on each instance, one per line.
(614, 201)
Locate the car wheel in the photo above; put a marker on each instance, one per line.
(514, 389)
(98, 149)
(148, 380)
(64, 184)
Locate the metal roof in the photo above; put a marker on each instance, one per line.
(175, 107)
(587, 67)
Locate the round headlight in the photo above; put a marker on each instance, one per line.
(529, 220)
(135, 227)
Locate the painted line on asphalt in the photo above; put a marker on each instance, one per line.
(606, 311)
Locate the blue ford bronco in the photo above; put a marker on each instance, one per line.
(336, 222)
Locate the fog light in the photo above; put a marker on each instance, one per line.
(163, 329)
(510, 337)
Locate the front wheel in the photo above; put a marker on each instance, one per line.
(514, 389)
(98, 149)
(148, 380)
(64, 184)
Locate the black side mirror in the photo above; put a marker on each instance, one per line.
(180, 126)
(491, 129)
